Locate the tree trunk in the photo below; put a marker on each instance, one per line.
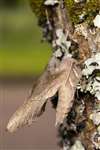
(81, 128)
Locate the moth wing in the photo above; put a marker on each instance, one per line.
(67, 91)
(32, 108)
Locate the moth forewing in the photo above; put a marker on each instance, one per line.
(62, 80)
(46, 87)
(67, 90)
(66, 95)
(22, 116)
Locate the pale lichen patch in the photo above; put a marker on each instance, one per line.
(96, 21)
(77, 146)
(91, 72)
(95, 116)
(51, 2)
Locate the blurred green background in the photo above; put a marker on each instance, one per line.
(21, 50)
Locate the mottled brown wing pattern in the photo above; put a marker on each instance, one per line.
(47, 85)
(67, 90)
(59, 76)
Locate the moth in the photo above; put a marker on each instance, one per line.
(59, 76)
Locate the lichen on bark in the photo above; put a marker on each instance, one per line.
(80, 127)
(89, 9)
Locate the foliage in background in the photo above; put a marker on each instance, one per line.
(21, 51)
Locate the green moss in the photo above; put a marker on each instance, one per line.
(39, 10)
(37, 6)
(90, 9)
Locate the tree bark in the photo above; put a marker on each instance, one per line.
(78, 129)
